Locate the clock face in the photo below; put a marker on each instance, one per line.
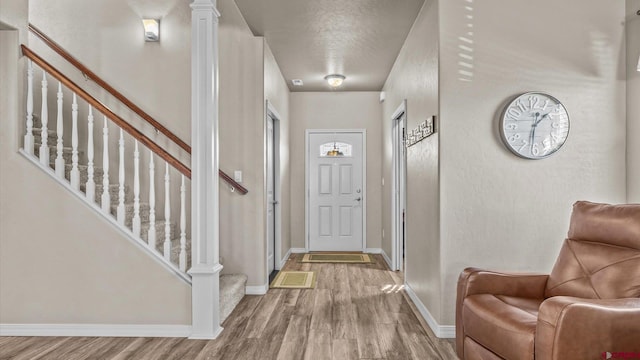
(534, 125)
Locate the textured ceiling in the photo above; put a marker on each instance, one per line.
(313, 38)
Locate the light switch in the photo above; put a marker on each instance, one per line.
(237, 176)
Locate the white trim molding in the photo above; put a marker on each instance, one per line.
(285, 258)
(298, 250)
(111, 330)
(381, 252)
(441, 331)
(256, 290)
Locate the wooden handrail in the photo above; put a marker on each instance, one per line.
(241, 189)
(98, 80)
(107, 112)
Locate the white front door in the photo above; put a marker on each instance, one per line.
(271, 201)
(335, 191)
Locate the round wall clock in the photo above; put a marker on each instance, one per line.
(534, 125)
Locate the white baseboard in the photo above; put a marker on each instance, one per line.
(298, 250)
(111, 330)
(373, 250)
(386, 259)
(284, 259)
(256, 290)
(441, 331)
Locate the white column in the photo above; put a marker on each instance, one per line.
(205, 264)
(75, 173)
(135, 223)
(60, 133)
(44, 119)
(91, 185)
(28, 137)
(106, 196)
(120, 214)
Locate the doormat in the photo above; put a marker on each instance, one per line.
(294, 280)
(336, 258)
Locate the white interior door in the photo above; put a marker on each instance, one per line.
(271, 201)
(336, 196)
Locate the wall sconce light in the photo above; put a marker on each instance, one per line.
(335, 80)
(151, 29)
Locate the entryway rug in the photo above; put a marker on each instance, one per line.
(336, 258)
(294, 280)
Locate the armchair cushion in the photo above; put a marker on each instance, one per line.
(505, 325)
(601, 257)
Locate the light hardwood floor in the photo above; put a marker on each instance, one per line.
(356, 311)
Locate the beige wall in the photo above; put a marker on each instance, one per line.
(242, 244)
(277, 93)
(633, 102)
(335, 110)
(498, 210)
(414, 77)
(249, 75)
(88, 273)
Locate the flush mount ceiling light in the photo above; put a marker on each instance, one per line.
(151, 29)
(297, 82)
(335, 80)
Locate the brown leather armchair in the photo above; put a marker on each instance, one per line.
(589, 305)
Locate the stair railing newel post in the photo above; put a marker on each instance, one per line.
(28, 137)
(90, 187)
(75, 173)
(120, 214)
(59, 132)
(205, 264)
(44, 119)
(106, 196)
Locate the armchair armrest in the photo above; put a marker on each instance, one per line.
(575, 328)
(477, 281)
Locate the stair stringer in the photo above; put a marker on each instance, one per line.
(127, 233)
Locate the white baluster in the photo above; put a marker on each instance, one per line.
(91, 185)
(75, 173)
(183, 226)
(151, 235)
(167, 214)
(106, 197)
(28, 137)
(136, 191)
(44, 117)
(120, 213)
(60, 131)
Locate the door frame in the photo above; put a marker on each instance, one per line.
(397, 202)
(308, 132)
(270, 111)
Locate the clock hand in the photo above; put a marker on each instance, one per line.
(533, 130)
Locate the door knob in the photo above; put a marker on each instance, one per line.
(358, 199)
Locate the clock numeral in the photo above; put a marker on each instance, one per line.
(556, 125)
(514, 113)
(546, 103)
(514, 137)
(511, 126)
(547, 142)
(524, 145)
(533, 101)
(534, 149)
(521, 106)
(555, 138)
